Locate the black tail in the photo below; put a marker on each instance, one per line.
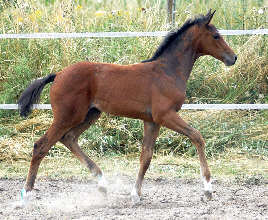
(32, 94)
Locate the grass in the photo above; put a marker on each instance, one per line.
(236, 141)
(230, 165)
(224, 132)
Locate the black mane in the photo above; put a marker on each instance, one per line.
(172, 35)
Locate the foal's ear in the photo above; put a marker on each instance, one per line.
(209, 16)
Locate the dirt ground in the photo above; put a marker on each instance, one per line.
(162, 199)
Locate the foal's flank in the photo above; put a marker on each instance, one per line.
(153, 91)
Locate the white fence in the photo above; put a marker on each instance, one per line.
(184, 106)
(118, 34)
(138, 34)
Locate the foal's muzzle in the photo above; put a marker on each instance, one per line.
(230, 60)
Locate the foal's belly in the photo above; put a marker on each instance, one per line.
(130, 109)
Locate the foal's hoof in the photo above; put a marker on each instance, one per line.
(208, 195)
(102, 186)
(25, 196)
(103, 190)
(135, 199)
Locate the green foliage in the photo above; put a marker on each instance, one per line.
(221, 131)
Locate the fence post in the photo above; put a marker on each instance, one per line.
(171, 8)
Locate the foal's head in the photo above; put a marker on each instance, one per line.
(210, 42)
(203, 38)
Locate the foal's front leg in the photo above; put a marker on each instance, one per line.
(173, 121)
(151, 131)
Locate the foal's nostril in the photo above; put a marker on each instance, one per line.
(235, 58)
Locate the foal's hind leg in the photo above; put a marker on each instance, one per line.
(41, 148)
(61, 124)
(151, 131)
(70, 140)
(173, 121)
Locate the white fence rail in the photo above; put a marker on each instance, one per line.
(138, 34)
(117, 34)
(185, 106)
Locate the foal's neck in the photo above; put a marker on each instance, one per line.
(180, 57)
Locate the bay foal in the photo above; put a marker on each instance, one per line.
(152, 91)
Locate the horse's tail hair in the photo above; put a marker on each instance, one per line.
(32, 94)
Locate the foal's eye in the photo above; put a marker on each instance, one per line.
(216, 36)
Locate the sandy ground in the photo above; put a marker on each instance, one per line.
(162, 199)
